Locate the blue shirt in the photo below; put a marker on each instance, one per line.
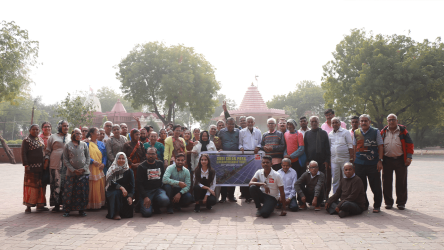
(230, 140)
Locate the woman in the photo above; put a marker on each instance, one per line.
(189, 146)
(196, 134)
(97, 153)
(46, 128)
(203, 145)
(115, 144)
(76, 188)
(162, 137)
(135, 153)
(32, 156)
(120, 187)
(174, 145)
(205, 183)
(53, 158)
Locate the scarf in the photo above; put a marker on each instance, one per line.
(204, 143)
(294, 123)
(115, 172)
(94, 152)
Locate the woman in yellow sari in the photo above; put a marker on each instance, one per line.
(97, 152)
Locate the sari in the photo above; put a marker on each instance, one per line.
(32, 156)
(96, 179)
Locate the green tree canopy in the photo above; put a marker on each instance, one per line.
(306, 100)
(75, 111)
(167, 79)
(379, 75)
(17, 54)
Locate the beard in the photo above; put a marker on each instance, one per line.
(142, 138)
(151, 159)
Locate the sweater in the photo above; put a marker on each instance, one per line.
(406, 141)
(350, 189)
(313, 185)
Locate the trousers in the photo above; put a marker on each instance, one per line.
(348, 206)
(398, 166)
(158, 199)
(268, 201)
(371, 173)
(171, 191)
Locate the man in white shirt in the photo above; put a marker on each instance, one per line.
(341, 148)
(304, 125)
(329, 115)
(266, 187)
(250, 139)
(289, 177)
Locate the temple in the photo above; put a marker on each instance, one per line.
(253, 105)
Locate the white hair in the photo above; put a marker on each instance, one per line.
(116, 126)
(243, 117)
(211, 126)
(287, 160)
(365, 116)
(121, 124)
(251, 117)
(314, 117)
(313, 162)
(271, 119)
(396, 117)
(348, 164)
(335, 119)
(107, 122)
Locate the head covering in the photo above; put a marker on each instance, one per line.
(115, 172)
(133, 131)
(292, 121)
(204, 143)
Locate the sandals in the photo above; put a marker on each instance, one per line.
(65, 215)
(82, 213)
(376, 210)
(28, 211)
(55, 210)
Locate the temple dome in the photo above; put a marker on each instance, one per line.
(118, 107)
(97, 107)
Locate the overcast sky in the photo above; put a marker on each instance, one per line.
(283, 42)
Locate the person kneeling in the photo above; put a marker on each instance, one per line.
(352, 194)
(310, 187)
(177, 184)
(149, 183)
(204, 179)
(289, 177)
(119, 189)
(266, 187)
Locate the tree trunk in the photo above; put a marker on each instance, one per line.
(8, 151)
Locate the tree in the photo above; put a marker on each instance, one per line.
(17, 54)
(108, 98)
(167, 79)
(74, 111)
(220, 98)
(379, 75)
(306, 100)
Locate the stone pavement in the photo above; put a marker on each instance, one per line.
(232, 225)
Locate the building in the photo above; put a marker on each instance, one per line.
(253, 105)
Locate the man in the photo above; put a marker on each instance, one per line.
(149, 180)
(304, 125)
(310, 187)
(283, 125)
(341, 148)
(266, 188)
(84, 132)
(214, 138)
(289, 177)
(230, 142)
(329, 114)
(317, 148)
(355, 125)
(398, 152)
(352, 194)
(273, 143)
(177, 183)
(143, 135)
(294, 142)
(108, 125)
(249, 140)
(124, 131)
(101, 135)
(369, 152)
(157, 145)
(220, 125)
(174, 145)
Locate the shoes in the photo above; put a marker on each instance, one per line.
(223, 201)
(258, 213)
(56, 209)
(388, 206)
(318, 208)
(343, 214)
(401, 207)
(303, 207)
(197, 208)
(232, 199)
(82, 213)
(209, 207)
(66, 215)
(170, 210)
(376, 210)
(249, 200)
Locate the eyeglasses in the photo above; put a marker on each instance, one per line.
(271, 123)
(84, 130)
(47, 127)
(391, 120)
(312, 167)
(108, 126)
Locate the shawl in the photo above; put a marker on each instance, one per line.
(204, 143)
(35, 143)
(115, 172)
(94, 152)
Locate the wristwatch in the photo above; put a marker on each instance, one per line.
(381, 160)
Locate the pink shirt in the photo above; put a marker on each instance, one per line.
(327, 128)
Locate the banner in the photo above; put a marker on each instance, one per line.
(234, 168)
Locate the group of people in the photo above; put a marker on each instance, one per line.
(144, 171)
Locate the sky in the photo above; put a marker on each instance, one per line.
(283, 42)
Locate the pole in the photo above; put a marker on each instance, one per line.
(13, 125)
(32, 116)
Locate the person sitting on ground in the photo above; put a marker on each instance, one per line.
(205, 183)
(149, 180)
(119, 188)
(310, 187)
(289, 177)
(177, 184)
(351, 192)
(266, 187)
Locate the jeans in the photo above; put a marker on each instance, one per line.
(293, 206)
(158, 199)
(171, 191)
(268, 201)
(374, 179)
(349, 207)
(400, 169)
(199, 195)
(336, 174)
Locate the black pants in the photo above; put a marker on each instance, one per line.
(400, 169)
(245, 192)
(374, 180)
(309, 196)
(199, 195)
(297, 167)
(268, 201)
(276, 167)
(227, 191)
(327, 181)
(349, 207)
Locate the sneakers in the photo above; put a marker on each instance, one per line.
(258, 213)
(197, 208)
(170, 210)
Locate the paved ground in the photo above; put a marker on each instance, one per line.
(233, 225)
